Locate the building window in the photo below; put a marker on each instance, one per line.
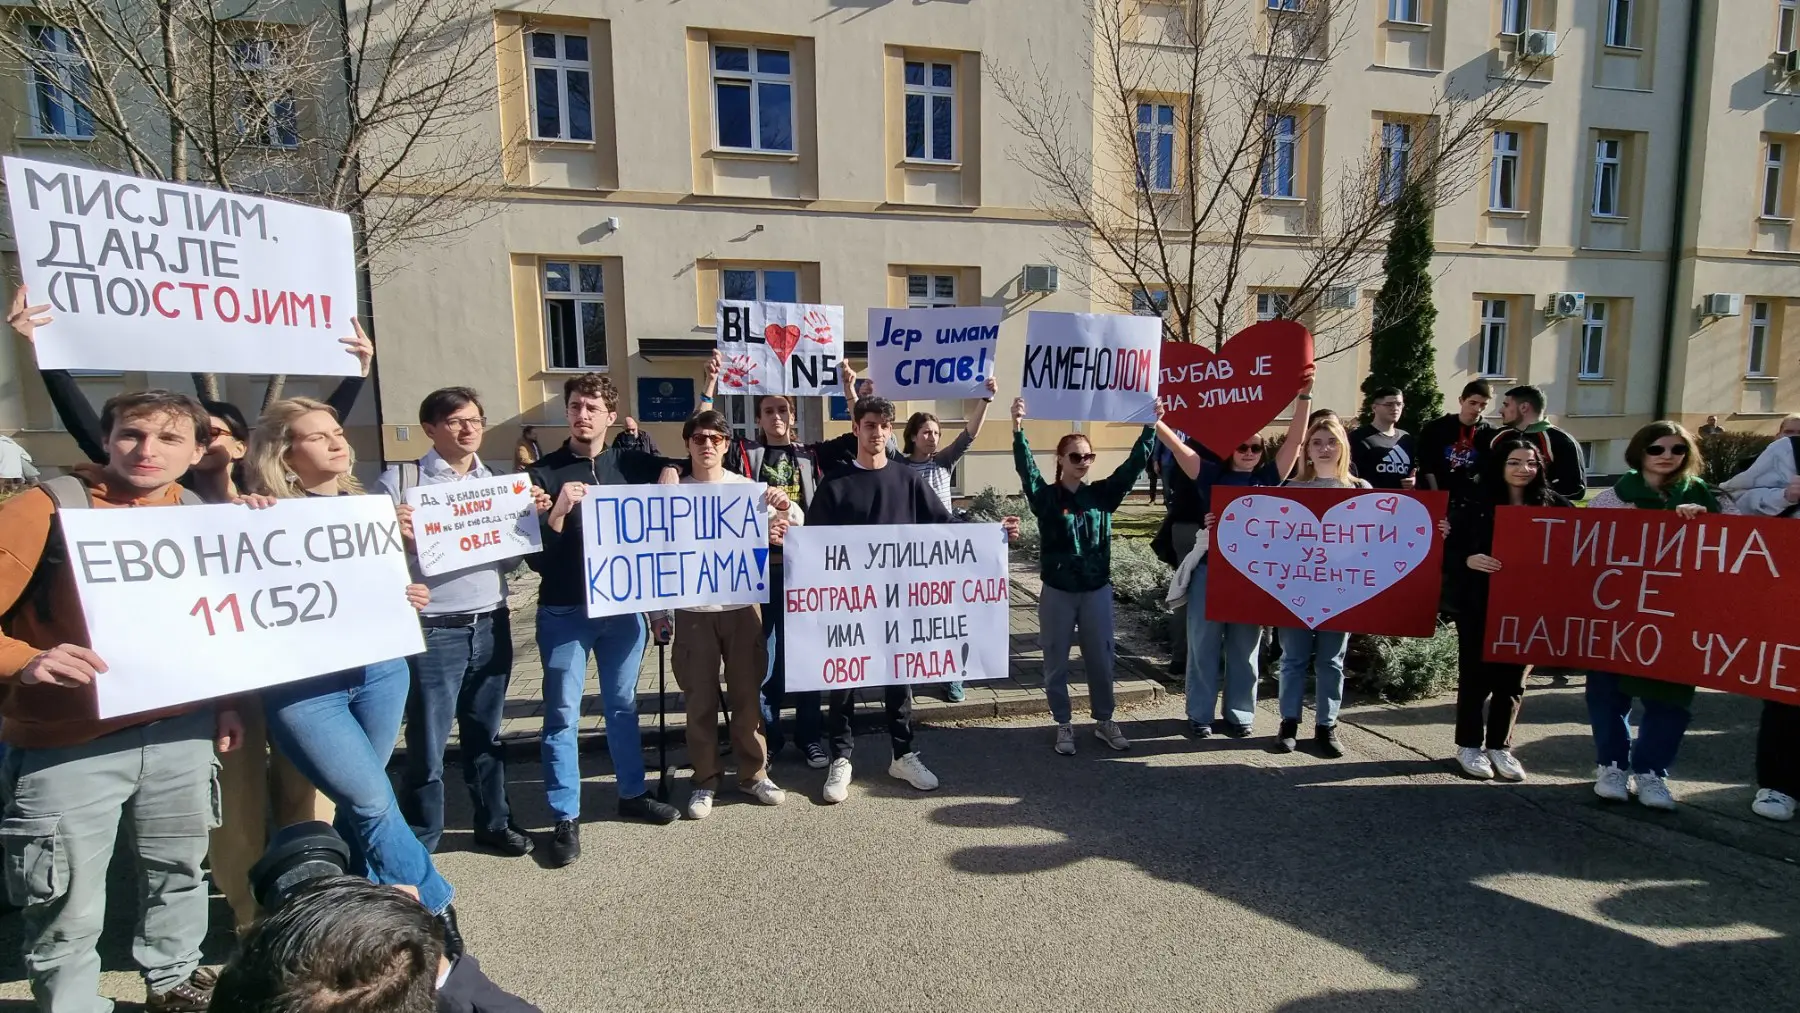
(562, 95)
(1503, 178)
(1156, 147)
(760, 286)
(930, 111)
(1154, 302)
(59, 84)
(1785, 25)
(1515, 17)
(1269, 305)
(1286, 5)
(269, 114)
(753, 98)
(1593, 342)
(1758, 364)
(1493, 337)
(1278, 158)
(1773, 156)
(1618, 22)
(575, 315)
(1606, 176)
(930, 291)
(1589, 452)
(1396, 155)
(1404, 10)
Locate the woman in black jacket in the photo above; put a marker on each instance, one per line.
(1488, 694)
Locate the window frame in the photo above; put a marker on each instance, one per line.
(59, 72)
(577, 296)
(562, 65)
(1150, 302)
(762, 282)
(1787, 25)
(928, 94)
(1284, 187)
(1774, 172)
(1762, 319)
(1621, 22)
(1595, 323)
(1150, 136)
(755, 80)
(1396, 159)
(1406, 12)
(263, 122)
(1608, 167)
(933, 298)
(1279, 302)
(1496, 333)
(1515, 17)
(1502, 156)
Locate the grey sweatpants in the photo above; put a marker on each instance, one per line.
(1060, 615)
(62, 816)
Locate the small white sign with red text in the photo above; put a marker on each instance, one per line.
(457, 525)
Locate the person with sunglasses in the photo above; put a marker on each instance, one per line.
(1075, 562)
(1665, 474)
(1218, 651)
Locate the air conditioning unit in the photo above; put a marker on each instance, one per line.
(1040, 278)
(1724, 304)
(1345, 298)
(1563, 305)
(1535, 44)
(1789, 61)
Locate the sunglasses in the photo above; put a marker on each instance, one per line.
(1249, 448)
(710, 439)
(1082, 458)
(1658, 450)
(219, 434)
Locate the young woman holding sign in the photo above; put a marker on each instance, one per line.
(1324, 465)
(1665, 475)
(340, 729)
(1075, 562)
(1512, 474)
(1227, 652)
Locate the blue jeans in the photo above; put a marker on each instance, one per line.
(1321, 651)
(809, 711)
(339, 731)
(462, 676)
(1213, 649)
(565, 638)
(1659, 733)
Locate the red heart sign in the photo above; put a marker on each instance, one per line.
(782, 339)
(1226, 397)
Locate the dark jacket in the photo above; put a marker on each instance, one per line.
(1567, 472)
(467, 990)
(560, 564)
(1472, 534)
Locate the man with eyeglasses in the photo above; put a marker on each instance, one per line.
(1381, 451)
(463, 674)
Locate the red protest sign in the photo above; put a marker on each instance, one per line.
(1643, 592)
(1224, 398)
(1349, 560)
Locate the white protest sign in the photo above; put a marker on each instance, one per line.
(884, 605)
(457, 525)
(143, 274)
(780, 348)
(918, 355)
(1099, 367)
(672, 546)
(194, 602)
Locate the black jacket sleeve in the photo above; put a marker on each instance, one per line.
(1568, 476)
(77, 413)
(344, 397)
(467, 990)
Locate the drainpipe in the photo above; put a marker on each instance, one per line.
(365, 280)
(1677, 236)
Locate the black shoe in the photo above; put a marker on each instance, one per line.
(565, 844)
(453, 940)
(1326, 737)
(1287, 740)
(509, 840)
(1235, 730)
(1177, 666)
(1199, 731)
(645, 808)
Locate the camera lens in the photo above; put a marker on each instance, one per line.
(297, 854)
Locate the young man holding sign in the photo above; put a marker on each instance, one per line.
(468, 647)
(69, 777)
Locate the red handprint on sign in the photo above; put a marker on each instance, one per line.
(818, 327)
(739, 372)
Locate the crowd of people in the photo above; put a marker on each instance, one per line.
(205, 783)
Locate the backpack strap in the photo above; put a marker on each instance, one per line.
(409, 476)
(69, 492)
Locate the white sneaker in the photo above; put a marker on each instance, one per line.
(1474, 763)
(1109, 733)
(700, 803)
(1612, 783)
(1773, 805)
(837, 781)
(1506, 766)
(766, 792)
(1653, 792)
(912, 770)
(1065, 739)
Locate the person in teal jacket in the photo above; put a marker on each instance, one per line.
(1075, 560)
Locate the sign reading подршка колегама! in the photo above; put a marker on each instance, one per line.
(656, 547)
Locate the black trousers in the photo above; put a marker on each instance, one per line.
(1778, 748)
(1488, 695)
(896, 701)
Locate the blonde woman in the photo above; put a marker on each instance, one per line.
(339, 729)
(1324, 464)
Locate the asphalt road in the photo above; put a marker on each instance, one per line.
(1173, 877)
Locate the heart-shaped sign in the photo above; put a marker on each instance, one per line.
(783, 339)
(1306, 556)
(1226, 397)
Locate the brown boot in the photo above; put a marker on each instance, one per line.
(191, 996)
